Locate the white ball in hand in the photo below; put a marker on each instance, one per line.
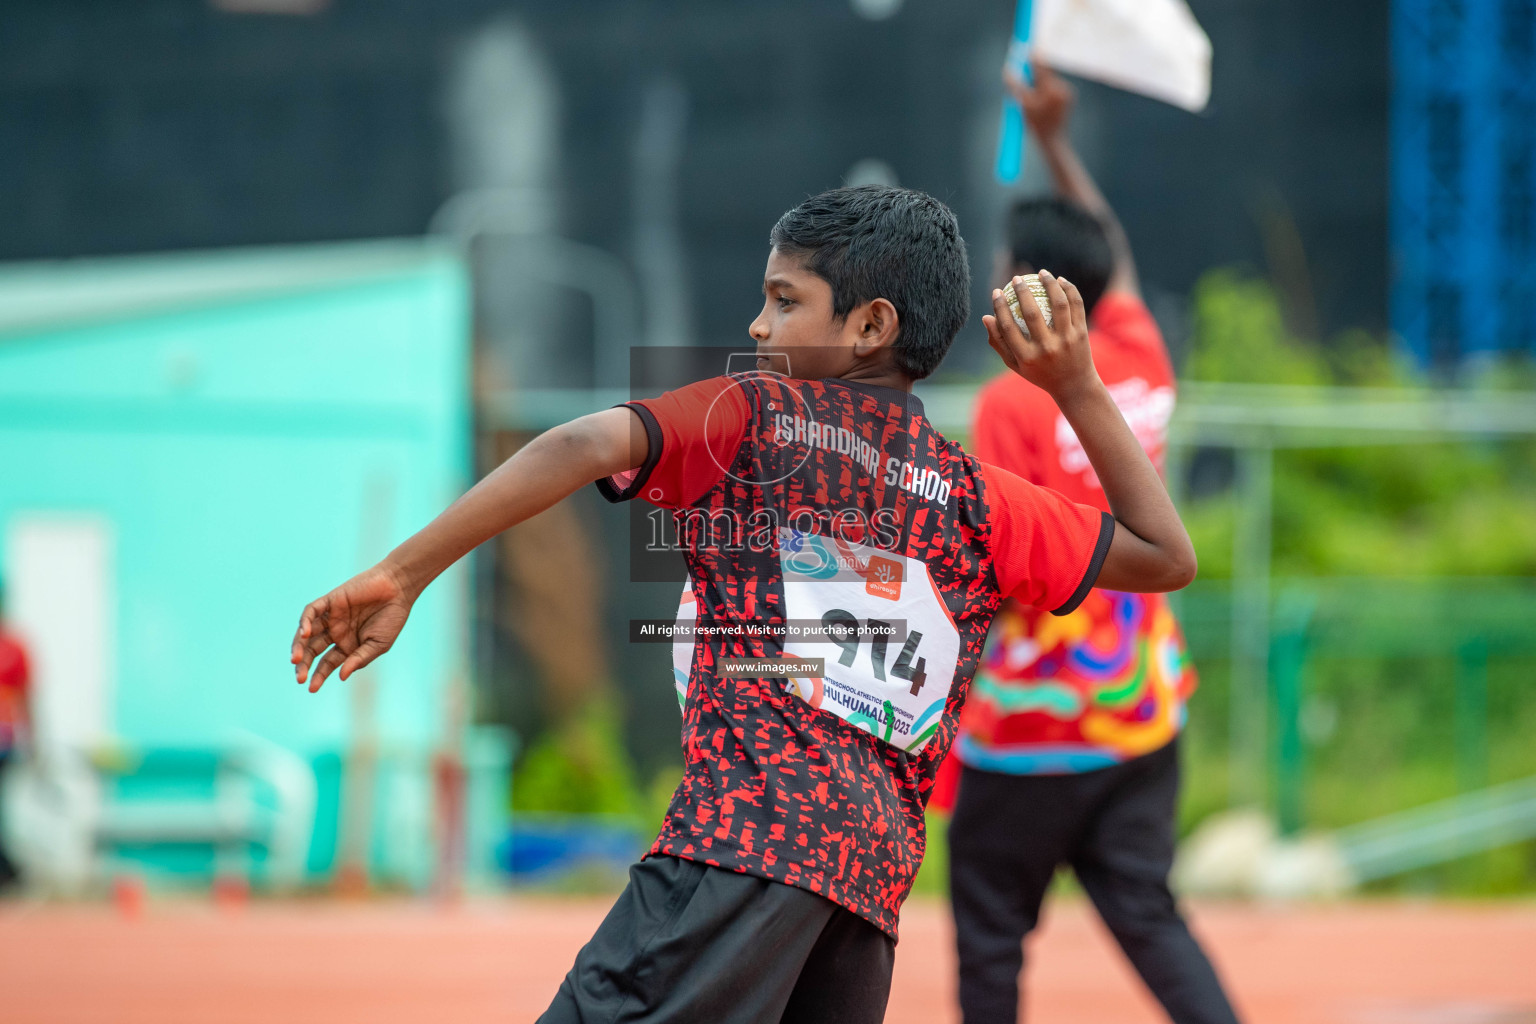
(1032, 282)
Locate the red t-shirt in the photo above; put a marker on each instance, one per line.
(835, 505)
(15, 675)
(1109, 681)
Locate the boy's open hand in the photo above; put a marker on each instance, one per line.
(1057, 358)
(350, 626)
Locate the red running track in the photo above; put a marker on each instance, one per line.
(385, 962)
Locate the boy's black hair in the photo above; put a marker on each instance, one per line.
(1062, 237)
(881, 242)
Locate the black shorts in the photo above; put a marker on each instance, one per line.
(691, 943)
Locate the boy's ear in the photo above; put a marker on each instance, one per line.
(875, 323)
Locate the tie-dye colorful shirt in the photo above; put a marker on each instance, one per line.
(1109, 681)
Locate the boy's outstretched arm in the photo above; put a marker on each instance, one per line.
(1150, 551)
(359, 620)
(1047, 107)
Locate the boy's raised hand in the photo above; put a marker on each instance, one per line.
(1047, 104)
(350, 626)
(1150, 550)
(1057, 359)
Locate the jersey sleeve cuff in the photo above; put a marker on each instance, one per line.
(653, 436)
(1096, 563)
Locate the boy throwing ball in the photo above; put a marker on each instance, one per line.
(816, 504)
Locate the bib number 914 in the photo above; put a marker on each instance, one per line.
(842, 628)
(897, 646)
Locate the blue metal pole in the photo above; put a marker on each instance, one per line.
(1010, 144)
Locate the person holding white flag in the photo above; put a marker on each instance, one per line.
(1068, 752)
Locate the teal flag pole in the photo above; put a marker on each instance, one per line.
(1010, 136)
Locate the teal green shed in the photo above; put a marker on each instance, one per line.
(191, 447)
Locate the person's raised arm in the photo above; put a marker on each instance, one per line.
(1150, 551)
(359, 620)
(1047, 107)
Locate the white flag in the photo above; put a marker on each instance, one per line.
(1154, 47)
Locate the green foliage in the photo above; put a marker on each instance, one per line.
(1459, 509)
(1240, 336)
(1380, 719)
(581, 768)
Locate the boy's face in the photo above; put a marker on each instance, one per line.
(797, 326)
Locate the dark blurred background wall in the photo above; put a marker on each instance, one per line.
(170, 124)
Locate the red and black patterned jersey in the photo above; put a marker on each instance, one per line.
(828, 522)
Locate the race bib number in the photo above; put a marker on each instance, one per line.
(889, 645)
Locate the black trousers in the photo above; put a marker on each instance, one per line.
(690, 943)
(1115, 827)
(8, 873)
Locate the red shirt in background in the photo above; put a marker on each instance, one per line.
(1017, 426)
(1108, 682)
(15, 676)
